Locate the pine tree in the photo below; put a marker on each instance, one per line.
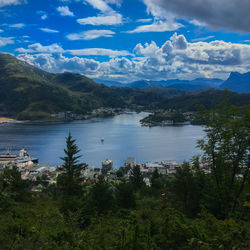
(155, 183)
(136, 177)
(70, 179)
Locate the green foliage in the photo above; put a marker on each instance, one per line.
(187, 188)
(226, 148)
(209, 99)
(136, 177)
(125, 195)
(28, 93)
(101, 197)
(12, 188)
(69, 182)
(186, 211)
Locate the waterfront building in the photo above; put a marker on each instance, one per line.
(130, 162)
(107, 165)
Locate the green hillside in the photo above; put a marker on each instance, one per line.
(28, 93)
(209, 99)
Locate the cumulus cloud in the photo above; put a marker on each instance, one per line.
(101, 20)
(60, 63)
(90, 34)
(64, 11)
(47, 30)
(176, 58)
(223, 14)
(6, 40)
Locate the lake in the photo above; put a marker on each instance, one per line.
(123, 134)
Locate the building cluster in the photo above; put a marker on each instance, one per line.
(67, 116)
(43, 175)
(100, 112)
(30, 168)
(168, 168)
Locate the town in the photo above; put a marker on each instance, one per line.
(42, 175)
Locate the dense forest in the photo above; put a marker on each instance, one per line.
(192, 210)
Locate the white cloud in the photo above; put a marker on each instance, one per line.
(197, 23)
(38, 48)
(49, 30)
(44, 16)
(17, 25)
(100, 5)
(146, 20)
(176, 58)
(10, 2)
(90, 34)
(100, 52)
(202, 38)
(55, 48)
(6, 40)
(101, 20)
(64, 11)
(59, 63)
(159, 26)
(116, 2)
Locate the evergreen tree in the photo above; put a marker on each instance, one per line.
(186, 191)
(70, 179)
(136, 177)
(12, 186)
(101, 196)
(226, 148)
(155, 179)
(125, 195)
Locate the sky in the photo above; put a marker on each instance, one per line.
(129, 40)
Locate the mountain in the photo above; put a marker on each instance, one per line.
(110, 83)
(143, 84)
(209, 98)
(237, 82)
(30, 93)
(187, 85)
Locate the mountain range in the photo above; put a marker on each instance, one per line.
(239, 83)
(29, 93)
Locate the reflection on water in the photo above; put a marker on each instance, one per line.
(123, 137)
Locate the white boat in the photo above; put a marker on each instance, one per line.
(102, 139)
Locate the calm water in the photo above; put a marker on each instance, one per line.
(124, 137)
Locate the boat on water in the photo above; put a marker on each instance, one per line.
(21, 160)
(102, 139)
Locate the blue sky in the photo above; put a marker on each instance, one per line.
(128, 40)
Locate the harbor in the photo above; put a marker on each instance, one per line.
(42, 175)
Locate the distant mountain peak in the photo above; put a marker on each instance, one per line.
(237, 82)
